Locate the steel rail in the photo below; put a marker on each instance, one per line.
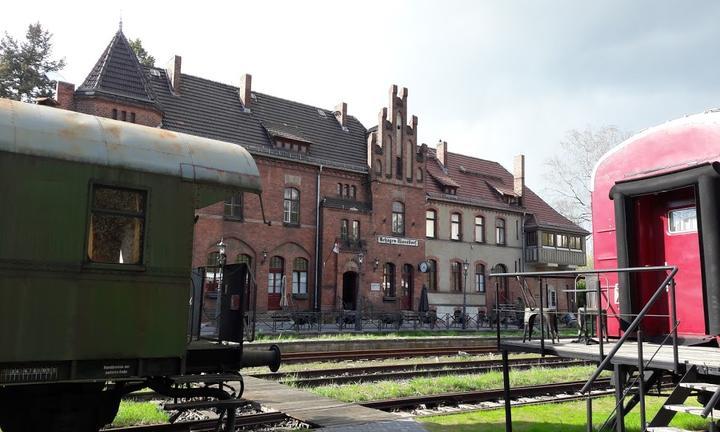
(356, 379)
(300, 357)
(478, 395)
(312, 373)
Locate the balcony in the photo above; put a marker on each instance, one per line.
(351, 245)
(553, 255)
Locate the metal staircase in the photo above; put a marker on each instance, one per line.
(690, 385)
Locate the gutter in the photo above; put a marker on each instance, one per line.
(318, 270)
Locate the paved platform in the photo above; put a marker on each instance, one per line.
(324, 413)
(707, 359)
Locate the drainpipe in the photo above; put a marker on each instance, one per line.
(522, 244)
(318, 271)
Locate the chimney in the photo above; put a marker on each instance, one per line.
(341, 114)
(246, 90)
(173, 71)
(65, 95)
(441, 153)
(519, 175)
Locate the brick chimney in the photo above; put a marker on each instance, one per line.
(246, 90)
(341, 114)
(441, 153)
(65, 95)
(519, 175)
(174, 74)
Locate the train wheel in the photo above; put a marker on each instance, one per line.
(57, 408)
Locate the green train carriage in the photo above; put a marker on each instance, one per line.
(96, 230)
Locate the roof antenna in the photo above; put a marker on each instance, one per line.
(120, 26)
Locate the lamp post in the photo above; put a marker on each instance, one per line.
(464, 313)
(221, 269)
(358, 312)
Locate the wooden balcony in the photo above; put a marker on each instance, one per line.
(552, 255)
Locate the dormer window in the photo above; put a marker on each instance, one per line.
(293, 146)
(450, 190)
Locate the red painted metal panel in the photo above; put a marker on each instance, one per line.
(675, 145)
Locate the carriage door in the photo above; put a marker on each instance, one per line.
(666, 233)
(407, 287)
(275, 282)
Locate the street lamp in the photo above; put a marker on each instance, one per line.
(358, 313)
(221, 269)
(466, 265)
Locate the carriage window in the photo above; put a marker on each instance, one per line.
(117, 223)
(682, 220)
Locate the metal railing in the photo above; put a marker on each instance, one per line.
(633, 329)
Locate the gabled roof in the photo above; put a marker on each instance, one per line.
(118, 73)
(484, 183)
(212, 109)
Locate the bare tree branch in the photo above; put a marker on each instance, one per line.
(569, 172)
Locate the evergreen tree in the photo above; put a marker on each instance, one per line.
(142, 55)
(24, 65)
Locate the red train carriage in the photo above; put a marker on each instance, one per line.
(656, 201)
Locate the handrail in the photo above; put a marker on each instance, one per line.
(631, 328)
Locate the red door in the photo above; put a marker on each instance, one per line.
(275, 282)
(666, 233)
(406, 287)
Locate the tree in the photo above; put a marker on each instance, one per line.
(143, 56)
(568, 174)
(24, 65)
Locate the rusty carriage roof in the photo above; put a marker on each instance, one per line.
(67, 135)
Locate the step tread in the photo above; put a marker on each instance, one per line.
(665, 429)
(701, 386)
(694, 410)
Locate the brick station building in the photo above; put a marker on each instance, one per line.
(348, 207)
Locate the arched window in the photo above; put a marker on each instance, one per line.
(455, 227)
(432, 275)
(339, 189)
(355, 230)
(389, 280)
(456, 273)
(300, 276)
(291, 206)
(353, 192)
(213, 259)
(431, 224)
(234, 206)
(500, 231)
(479, 229)
(275, 275)
(244, 259)
(344, 229)
(480, 278)
(346, 190)
(398, 218)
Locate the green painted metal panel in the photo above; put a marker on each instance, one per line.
(53, 304)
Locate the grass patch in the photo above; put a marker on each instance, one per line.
(299, 367)
(566, 417)
(451, 383)
(139, 413)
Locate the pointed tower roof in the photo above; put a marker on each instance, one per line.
(118, 73)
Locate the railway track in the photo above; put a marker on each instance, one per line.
(304, 357)
(243, 421)
(455, 398)
(320, 377)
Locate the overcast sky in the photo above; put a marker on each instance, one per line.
(492, 78)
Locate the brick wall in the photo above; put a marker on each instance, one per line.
(104, 108)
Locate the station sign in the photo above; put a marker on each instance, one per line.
(399, 241)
